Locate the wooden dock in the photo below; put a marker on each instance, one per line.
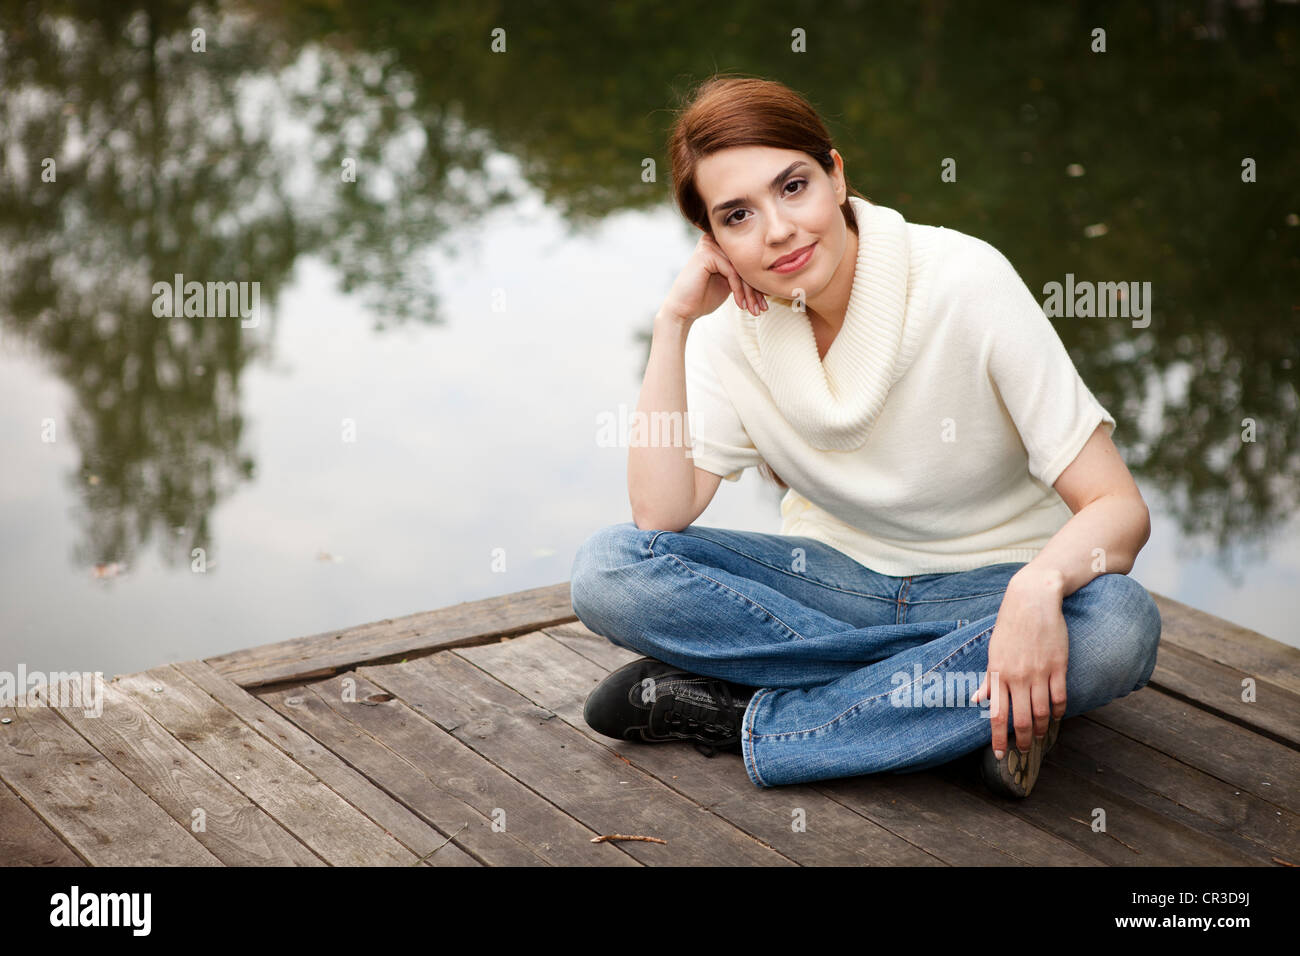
(455, 738)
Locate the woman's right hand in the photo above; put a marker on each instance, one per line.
(706, 280)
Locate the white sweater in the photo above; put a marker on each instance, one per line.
(929, 438)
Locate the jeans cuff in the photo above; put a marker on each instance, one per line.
(746, 741)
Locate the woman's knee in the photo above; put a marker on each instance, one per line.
(594, 576)
(1126, 630)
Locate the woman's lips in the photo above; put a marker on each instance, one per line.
(797, 263)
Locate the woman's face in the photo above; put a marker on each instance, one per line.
(765, 204)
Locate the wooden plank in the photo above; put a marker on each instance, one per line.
(1202, 784)
(1252, 763)
(102, 815)
(558, 679)
(1229, 644)
(1178, 791)
(26, 840)
(986, 830)
(932, 816)
(582, 778)
(235, 830)
(439, 777)
(460, 625)
(1275, 711)
(330, 768)
(1064, 803)
(586, 643)
(295, 798)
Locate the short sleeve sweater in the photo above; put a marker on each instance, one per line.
(929, 437)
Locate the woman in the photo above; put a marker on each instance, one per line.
(951, 570)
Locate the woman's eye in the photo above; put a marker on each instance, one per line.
(731, 221)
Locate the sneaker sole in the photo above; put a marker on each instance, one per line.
(1016, 773)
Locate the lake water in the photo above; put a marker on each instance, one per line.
(412, 420)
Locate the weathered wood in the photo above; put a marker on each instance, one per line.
(1194, 674)
(1064, 802)
(460, 625)
(97, 810)
(234, 829)
(295, 798)
(439, 777)
(26, 840)
(558, 679)
(1229, 644)
(325, 764)
(1216, 687)
(1255, 764)
(585, 643)
(1155, 840)
(581, 777)
(1188, 773)
(933, 817)
(1176, 790)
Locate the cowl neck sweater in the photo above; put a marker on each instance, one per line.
(930, 437)
(834, 402)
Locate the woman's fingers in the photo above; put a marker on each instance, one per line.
(747, 297)
(1022, 716)
(998, 713)
(728, 272)
(992, 691)
(1041, 703)
(1056, 687)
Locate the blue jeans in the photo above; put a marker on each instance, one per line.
(856, 672)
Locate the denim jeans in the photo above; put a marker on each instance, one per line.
(856, 672)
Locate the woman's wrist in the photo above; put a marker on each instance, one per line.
(666, 316)
(1038, 583)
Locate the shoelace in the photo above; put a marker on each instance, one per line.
(687, 717)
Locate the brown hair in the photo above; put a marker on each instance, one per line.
(729, 110)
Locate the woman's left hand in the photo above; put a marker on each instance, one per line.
(1027, 654)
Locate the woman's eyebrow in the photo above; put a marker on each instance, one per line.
(776, 182)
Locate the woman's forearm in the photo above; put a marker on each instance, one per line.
(1103, 537)
(660, 476)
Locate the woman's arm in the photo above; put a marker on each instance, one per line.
(1111, 522)
(1030, 646)
(661, 483)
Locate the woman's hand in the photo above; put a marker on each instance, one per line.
(1027, 653)
(705, 281)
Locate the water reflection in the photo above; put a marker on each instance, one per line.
(233, 163)
(137, 149)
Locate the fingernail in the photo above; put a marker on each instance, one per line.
(999, 754)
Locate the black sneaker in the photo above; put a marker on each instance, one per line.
(651, 701)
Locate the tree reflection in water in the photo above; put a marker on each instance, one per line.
(228, 165)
